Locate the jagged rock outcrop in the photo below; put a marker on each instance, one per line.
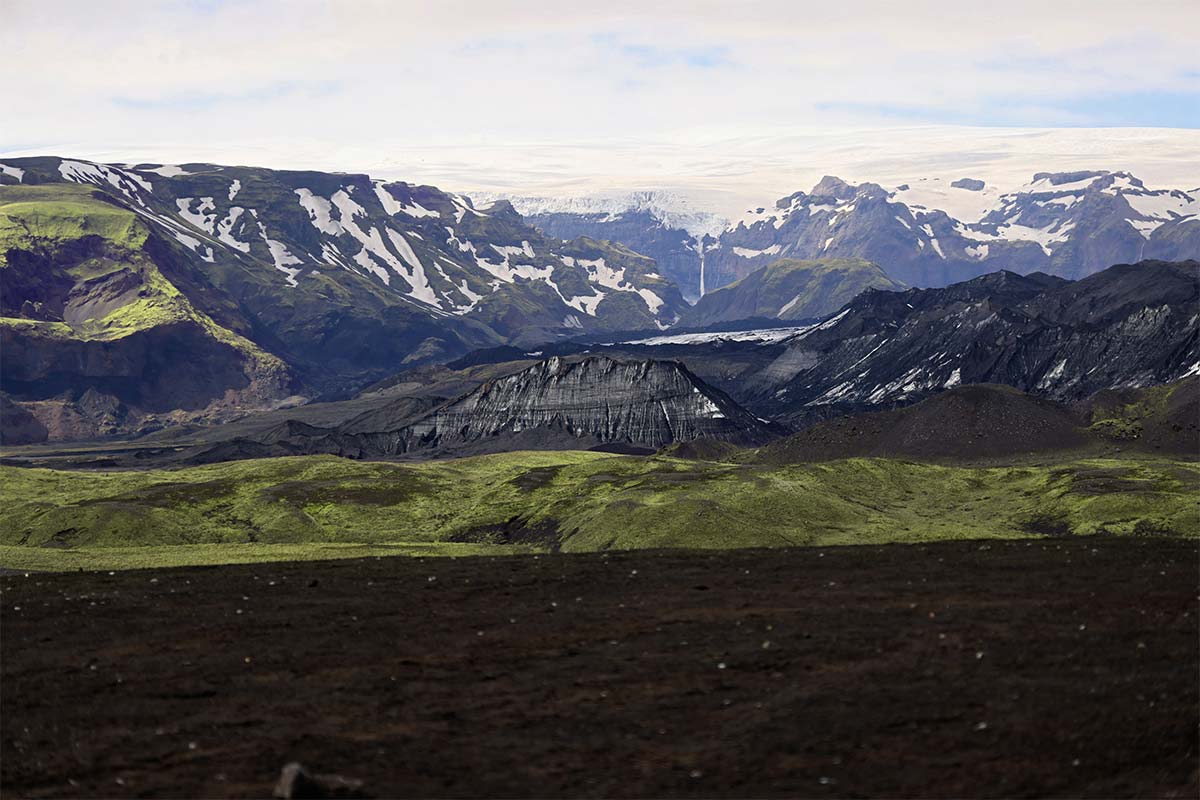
(558, 403)
(650, 403)
(1131, 325)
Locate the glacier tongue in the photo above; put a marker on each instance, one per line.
(671, 208)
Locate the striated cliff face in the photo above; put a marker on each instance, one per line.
(649, 403)
(595, 401)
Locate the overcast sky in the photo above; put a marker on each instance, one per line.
(722, 98)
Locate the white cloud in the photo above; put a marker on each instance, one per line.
(478, 94)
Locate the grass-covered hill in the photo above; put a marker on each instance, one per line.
(97, 327)
(571, 501)
(790, 289)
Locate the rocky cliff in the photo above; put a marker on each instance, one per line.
(578, 403)
(1132, 325)
(649, 403)
(96, 334)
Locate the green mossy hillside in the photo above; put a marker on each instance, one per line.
(578, 501)
(37, 215)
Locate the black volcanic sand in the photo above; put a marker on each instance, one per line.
(1002, 669)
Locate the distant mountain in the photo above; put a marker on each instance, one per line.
(1131, 325)
(579, 403)
(1127, 327)
(789, 289)
(926, 233)
(417, 245)
(660, 225)
(933, 234)
(139, 295)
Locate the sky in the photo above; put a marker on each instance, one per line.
(730, 103)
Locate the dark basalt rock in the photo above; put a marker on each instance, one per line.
(647, 403)
(970, 184)
(1131, 325)
(17, 425)
(592, 402)
(296, 782)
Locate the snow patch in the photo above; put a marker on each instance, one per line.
(281, 256)
(746, 252)
(169, 171)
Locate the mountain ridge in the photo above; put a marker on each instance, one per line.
(931, 232)
(791, 290)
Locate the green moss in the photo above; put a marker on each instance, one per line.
(46, 219)
(589, 501)
(114, 558)
(1124, 421)
(30, 215)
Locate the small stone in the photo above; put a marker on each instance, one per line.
(296, 782)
